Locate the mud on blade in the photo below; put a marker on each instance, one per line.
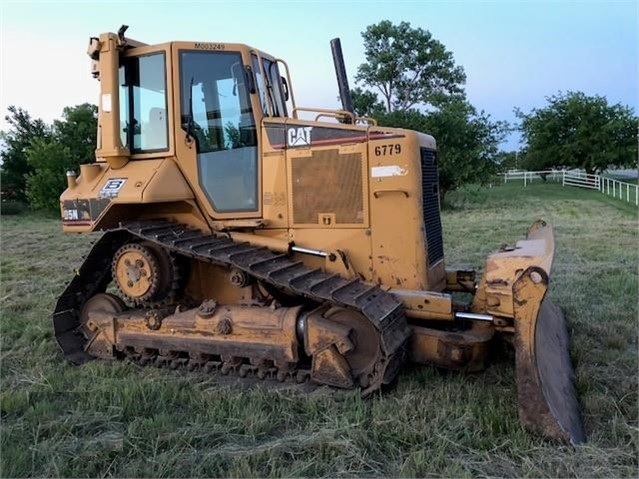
(545, 379)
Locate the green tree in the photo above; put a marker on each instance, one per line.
(366, 103)
(414, 83)
(23, 131)
(71, 142)
(467, 141)
(78, 132)
(408, 67)
(507, 160)
(578, 131)
(49, 160)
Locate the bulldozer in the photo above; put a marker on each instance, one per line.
(246, 235)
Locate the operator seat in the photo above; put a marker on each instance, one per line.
(156, 131)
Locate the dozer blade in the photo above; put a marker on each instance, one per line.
(545, 378)
(514, 286)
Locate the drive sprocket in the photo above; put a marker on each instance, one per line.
(139, 273)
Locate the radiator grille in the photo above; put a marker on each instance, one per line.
(328, 183)
(430, 206)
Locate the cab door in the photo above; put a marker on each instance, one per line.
(216, 142)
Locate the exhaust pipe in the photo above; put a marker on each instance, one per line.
(342, 80)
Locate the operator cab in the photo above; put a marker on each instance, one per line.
(224, 90)
(203, 106)
(217, 112)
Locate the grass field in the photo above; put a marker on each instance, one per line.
(117, 419)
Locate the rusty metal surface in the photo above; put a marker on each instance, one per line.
(545, 379)
(456, 350)
(555, 371)
(259, 334)
(380, 308)
(505, 267)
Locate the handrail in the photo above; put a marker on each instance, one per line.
(367, 119)
(289, 85)
(325, 112)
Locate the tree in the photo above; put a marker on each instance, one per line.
(78, 132)
(408, 67)
(71, 143)
(23, 131)
(232, 136)
(467, 141)
(507, 160)
(49, 160)
(421, 88)
(366, 103)
(578, 131)
(36, 155)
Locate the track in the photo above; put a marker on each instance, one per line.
(379, 307)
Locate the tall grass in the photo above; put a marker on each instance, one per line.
(116, 419)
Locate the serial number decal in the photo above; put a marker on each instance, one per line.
(112, 187)
(209, 46)
(390, 150)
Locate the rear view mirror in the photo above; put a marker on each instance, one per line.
(250, 79)
(284, 88)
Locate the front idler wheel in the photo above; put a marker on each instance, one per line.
(104, 302)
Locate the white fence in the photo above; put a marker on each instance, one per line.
(620, 189)
(608, 186)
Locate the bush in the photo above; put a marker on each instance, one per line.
(49, 160)
(12, 207)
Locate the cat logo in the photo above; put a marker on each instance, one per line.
(299, 136)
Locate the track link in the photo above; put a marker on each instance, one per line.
(381, 308)
(268, 373)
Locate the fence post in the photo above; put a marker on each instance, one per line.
(563, 177)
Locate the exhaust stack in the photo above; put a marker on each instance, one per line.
(342, 80)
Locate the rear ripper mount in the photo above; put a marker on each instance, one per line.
(354, 333)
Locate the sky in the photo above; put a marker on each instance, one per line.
(514, 53)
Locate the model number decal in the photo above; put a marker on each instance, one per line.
(70, 215)
(209, 46)
(112, 187)
(392, 149)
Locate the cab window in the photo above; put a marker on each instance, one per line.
(270, 86)
(143, 118)
(216, 113)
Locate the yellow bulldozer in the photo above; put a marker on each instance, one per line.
(242, 239)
